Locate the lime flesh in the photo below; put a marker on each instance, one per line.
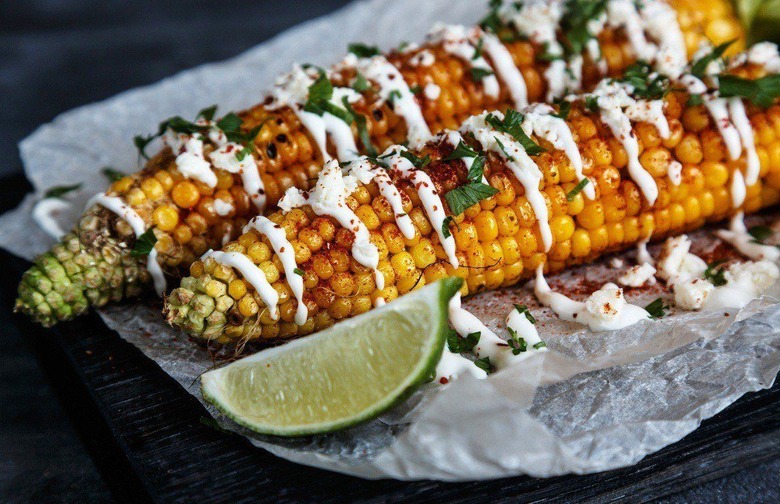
(344, 375)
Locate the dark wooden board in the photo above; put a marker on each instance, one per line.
(150, 443)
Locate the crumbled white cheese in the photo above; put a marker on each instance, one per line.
(676, 264)
(192, 164)
(616, 263)
(639, 275)
(223, 207)
(432, 91)
(692, 293)
(744, 282)
(424, 58)
(607, 303)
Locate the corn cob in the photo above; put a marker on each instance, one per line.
(94, 264)
(184, 212)
(289, 157)
(498, 239)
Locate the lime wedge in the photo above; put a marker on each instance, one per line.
(761, 19)
(344, 375)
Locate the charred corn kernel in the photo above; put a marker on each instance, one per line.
(185, 194)
(487, 226)
(403, 264)
(165, 218)
(423, 253)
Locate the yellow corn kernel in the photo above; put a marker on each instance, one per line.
(237, 289)
(580, 243)
(185, 194)
(165, 218)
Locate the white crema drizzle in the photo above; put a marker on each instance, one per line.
(286, 253)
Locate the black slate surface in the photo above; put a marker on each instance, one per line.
(135, 423)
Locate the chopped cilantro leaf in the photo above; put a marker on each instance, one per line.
(761, 92)
(461, 198)
(574, 24)
(462, 150)
(484, 364)
(477, 169)
(577, 189)
(393, 96)
(456, 344)
(415, 89)
(715, 274)
(646, 82)
(564, 108)
(760, 233)
(360, 122)
(418, 162)
(363, 50)
(592, 103)
(111, 174)
(144, 244)
(695, 99)
(523, 309)
(516, 343)
(477, 74)
(478, 49)
(512, 124)
(60, 191)
(657, 309)
(699, 67)
(207, 113)
(360, 84)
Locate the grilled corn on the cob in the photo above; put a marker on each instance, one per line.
(499, 240)
(193, 207)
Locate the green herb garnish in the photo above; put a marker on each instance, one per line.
(540, 345)
(462, 150)
(564, 108)
(144, 244)
(207, 113)
(646, 82)
(456, 344)
(699, 67)
(463, 197)
(418, 162)
(657, 309)
(360, 84)
(477, 74)
(111, 174)
(484, 364)
(60, 191)
(577, 189)
(592, 103)
(715, 274)
(759, 233)
(761, 92)
(523, 310)
(363, 50)
(360, 122)
(516, 343)
(299, 271)
(512, 125)
(574, 24)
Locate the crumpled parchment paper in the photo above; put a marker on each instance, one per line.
(596, 401)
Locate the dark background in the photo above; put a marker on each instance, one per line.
(56, 55)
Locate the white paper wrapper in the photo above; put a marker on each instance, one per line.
(594, 402)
